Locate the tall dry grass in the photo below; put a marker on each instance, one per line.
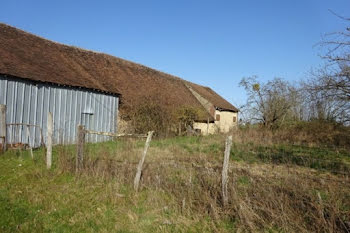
(262, 197)
(312, 133)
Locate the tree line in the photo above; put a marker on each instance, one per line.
(323, 96)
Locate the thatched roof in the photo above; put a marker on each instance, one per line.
(31, 57)
(213, 97)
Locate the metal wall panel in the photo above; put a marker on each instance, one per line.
(29, 103)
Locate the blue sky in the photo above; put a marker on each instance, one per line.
(213, 43)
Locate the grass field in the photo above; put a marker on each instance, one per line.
(272, 188)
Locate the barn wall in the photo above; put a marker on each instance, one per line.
(226, 122)
(224, 125)
(29, 102)
(205, 130)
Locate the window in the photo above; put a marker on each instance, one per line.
(217, 117)
(234, 119)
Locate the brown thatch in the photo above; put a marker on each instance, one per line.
(213, 97)
(28, 56)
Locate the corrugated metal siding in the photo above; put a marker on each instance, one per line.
(30, 103)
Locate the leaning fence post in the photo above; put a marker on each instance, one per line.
(28, 136)
(49, 140)
(80, 147)
(139, 166)
(3, 126)
(228, 144)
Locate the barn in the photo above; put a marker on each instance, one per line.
(28, 103)
(31, 87)
(31, 58)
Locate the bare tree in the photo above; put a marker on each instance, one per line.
(329, 87)
(271, 103)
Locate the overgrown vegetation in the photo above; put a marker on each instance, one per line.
(310, 133)
(273, 187)
(323, 96)
(151, 116)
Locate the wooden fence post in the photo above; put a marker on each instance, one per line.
(225, 166)
(80, 147)
(49, 140)
(28, 136)
(208, 126)
(139, 166)
(3, 126)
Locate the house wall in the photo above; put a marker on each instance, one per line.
(204, 128)
(223, 126)
(226, 120)
(29, 102)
